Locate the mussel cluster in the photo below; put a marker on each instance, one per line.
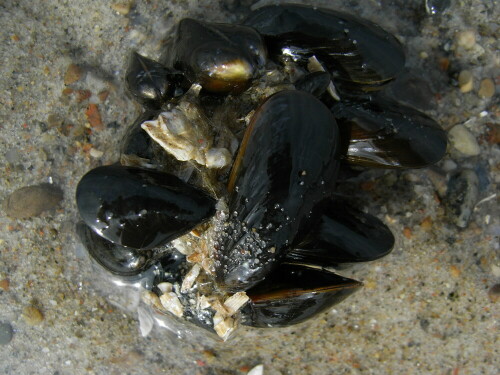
(226, 183)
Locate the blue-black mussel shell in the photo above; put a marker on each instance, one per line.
(342, 235)
(286, 164)
(360, 54)
(292, 294)
(380, 133)
(140, 208)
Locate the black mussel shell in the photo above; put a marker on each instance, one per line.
(286, 164)
(137, 143)
(140, 208)
(117, 259)
(314, 83)
(223, 58)
(150, 82)
(292, 294)
(344, 234)
(386, 134)
(358, 52)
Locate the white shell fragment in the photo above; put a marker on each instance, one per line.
(190, 278)
(165, 287)
(224, 326)
(217, 158)
(178, 136)
(257, 370)
(185, 133)
(146, 321)
(171, 303)
(152, 299)
(236, 302)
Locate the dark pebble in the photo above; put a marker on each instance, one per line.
(436, 6)
(494, 293)
(6, 333)
(461, 197)
(31, 201)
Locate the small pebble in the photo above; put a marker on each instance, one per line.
(5, 284)
(13, 156)
(461, 197)
(32, 200)
(121, 8)
(436, 6)
(463, 141)
(486, 88)
(94, 117)
(6, 333)
(54, 121)
(466, 38)
(73, 74)
(492, 135)
(494, 293)
(465, 81)
(32, 315)
(103, 95)
(95, 153)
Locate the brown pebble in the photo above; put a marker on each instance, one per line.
(494, 293)
(455, 271)
(466, 38)
(32, 315)
(121, 8)
(465, 81)
(5, 284)
(68, 91)
(103, 95)
(426, 224)
(82, 95)
(94, 117)
(407, 232)
(32, 200)
(486, 88)
(492, 135)
(444, 64)
(73, 74)
(54, 121)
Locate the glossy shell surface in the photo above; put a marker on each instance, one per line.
(287, 163)
(140, 208)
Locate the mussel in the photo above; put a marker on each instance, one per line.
(263, 244)
(140, 208)
(379, 133)
(360, 55)
(294, 293)
(286, 164)
(222, 58)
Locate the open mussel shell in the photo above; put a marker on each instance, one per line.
(292, 294)
(286, 164)
(117, 259)
(386, 134)
(150, 82)
(343, 235)
(223, 58)
(140, 208)
(361, 55)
